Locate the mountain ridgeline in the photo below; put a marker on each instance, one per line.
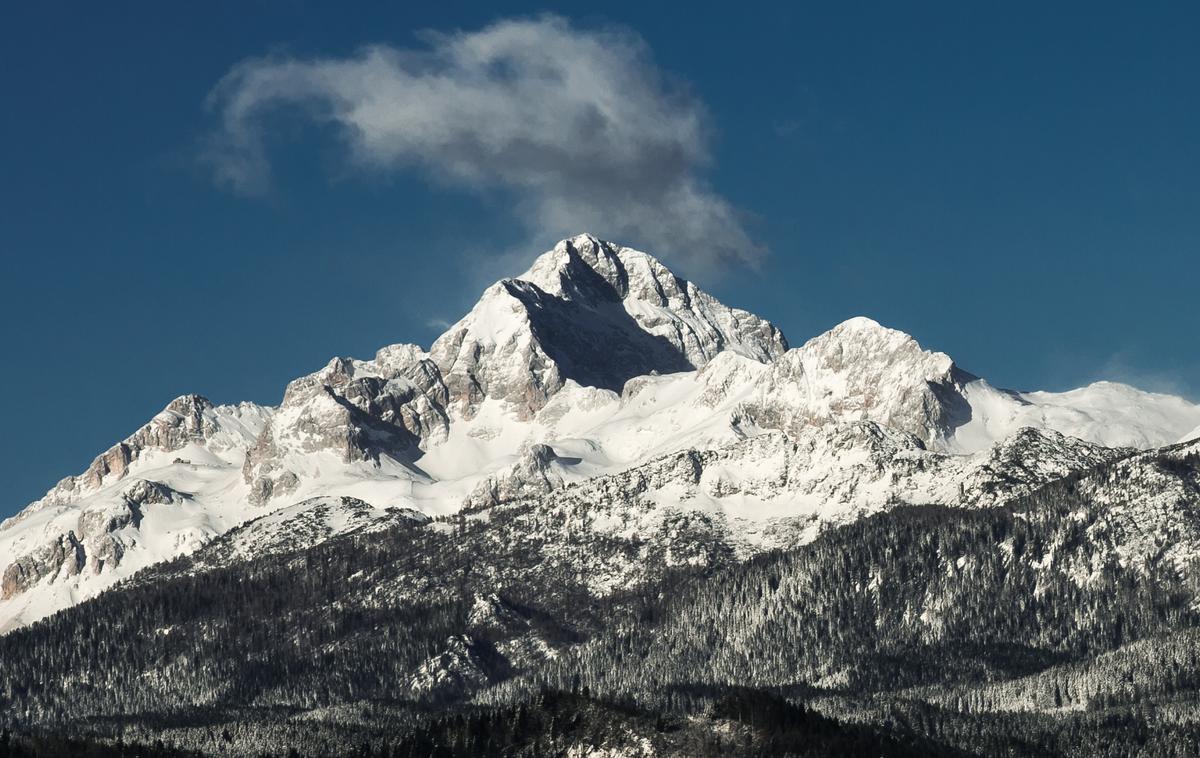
(605, 514)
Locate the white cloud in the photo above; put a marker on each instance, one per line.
(579, 125)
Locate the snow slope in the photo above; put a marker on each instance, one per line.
(1106, 413)
(164, 491)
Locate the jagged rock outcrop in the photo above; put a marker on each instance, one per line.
(188, 418)
(357, 410)
(94, 543)
(64, 556)
(75, 531)
(147, 492)
(536, 472)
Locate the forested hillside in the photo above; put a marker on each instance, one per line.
(1055, 625)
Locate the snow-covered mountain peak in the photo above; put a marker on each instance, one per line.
(587, 268)
(337, 373)
(860, 370)
(864, 345)
(594, 313)
(566, 269)
(395, 358)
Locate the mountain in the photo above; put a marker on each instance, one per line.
(600, 358)
(600, 506)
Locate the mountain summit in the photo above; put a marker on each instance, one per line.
(593, 313)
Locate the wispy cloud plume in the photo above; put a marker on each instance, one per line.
(579, 125)
(1126, 367)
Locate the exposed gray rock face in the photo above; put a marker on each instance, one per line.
(147, 492)
(102, 546)
(695, 323)
(186, 419)
(92, 541)
(93, 544)
(61, 556)
(534, 473)
(266, 484)
(99, 544)
(401, 388)
(96, 523)
(358, 410)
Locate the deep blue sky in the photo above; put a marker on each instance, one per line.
(1015, 184)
